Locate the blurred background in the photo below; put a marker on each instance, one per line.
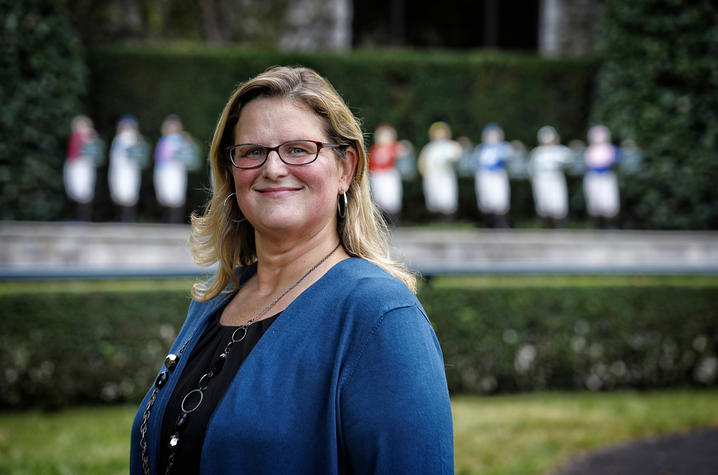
(586, 329)
(646, 70)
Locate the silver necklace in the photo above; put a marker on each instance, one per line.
(194, 398)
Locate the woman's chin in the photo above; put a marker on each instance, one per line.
(289, 226)
(278, 224)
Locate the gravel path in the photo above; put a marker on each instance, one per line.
(694, 453)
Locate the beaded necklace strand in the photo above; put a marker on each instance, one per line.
(193, 399)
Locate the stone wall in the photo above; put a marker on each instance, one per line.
(71, 249)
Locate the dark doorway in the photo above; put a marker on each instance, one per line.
(451, 24)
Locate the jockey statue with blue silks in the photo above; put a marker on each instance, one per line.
(492, 180)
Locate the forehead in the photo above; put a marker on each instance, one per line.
(272, 120)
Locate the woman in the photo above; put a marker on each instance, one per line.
(316, 357)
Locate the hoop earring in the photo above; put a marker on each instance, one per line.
(342, 205)
(224, 204)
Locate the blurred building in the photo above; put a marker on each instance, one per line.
(550, 27)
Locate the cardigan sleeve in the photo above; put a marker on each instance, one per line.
(394, 403)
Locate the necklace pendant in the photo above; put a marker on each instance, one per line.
(218, 363)
(174, 442)
(171, 361)
(239, 333)
(161, 379)
(181, 421)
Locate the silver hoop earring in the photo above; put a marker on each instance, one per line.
(342, 205)
(224, 204)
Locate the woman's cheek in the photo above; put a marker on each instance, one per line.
(243, 176)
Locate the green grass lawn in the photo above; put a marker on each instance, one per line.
(74, 441)
(535, 433)
(530, 433)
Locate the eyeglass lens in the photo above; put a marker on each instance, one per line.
(298, 152)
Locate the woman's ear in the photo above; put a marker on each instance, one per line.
(348, 165)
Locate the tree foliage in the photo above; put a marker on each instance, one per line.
(43, 77)
(658, 84)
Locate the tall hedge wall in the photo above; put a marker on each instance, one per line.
(658, 84)
(42, 77)
(408, 89)
(597, 338)
(63, 347)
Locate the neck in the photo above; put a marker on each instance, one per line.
(280, 263)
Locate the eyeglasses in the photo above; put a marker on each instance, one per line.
(294, 152)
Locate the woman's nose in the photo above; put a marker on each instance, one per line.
(274, 166)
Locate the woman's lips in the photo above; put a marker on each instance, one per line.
(277, 191)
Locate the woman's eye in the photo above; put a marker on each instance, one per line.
(298, 150)
(253, 153)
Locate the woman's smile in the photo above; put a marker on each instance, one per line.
(279, 198)
(277, 191)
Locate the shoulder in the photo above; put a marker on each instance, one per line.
(364, 283)
(365, 296)
(373, 303)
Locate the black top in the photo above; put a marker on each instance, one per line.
(212, 342)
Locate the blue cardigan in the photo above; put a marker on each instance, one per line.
(349, 379)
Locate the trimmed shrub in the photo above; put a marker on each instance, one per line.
(519, 339)
(59, 348)
(658, 84)
(43, 77)
(409, 89)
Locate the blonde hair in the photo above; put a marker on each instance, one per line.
(221, 235)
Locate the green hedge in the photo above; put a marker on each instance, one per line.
(409, 89)
(43, 77)
(63, 347)
(658, 84)
(517, 339)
